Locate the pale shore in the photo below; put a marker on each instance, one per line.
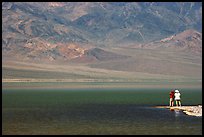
(189, 110)
(21, 83)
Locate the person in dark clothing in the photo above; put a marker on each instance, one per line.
(171, 101)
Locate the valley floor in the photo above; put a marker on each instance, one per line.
(83, 84)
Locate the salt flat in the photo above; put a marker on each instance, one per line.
(189, 110)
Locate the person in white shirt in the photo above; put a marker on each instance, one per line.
(177, 95)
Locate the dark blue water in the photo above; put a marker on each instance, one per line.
(133, 119)
(102, 112)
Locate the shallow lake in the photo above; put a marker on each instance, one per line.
(97, 111)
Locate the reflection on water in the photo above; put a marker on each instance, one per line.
(177, 113)
(102, 119)
(93, 113)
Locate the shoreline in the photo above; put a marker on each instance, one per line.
(188, 110)
(90, 83)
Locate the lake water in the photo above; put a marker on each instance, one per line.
(97, 111)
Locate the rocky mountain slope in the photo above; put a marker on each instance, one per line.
(186, 41)
(134, 44)
(83, 31)
(104, 34)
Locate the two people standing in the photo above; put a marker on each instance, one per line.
(175, 95)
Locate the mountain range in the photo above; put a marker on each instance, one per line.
(136, 37)
(46, 29)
